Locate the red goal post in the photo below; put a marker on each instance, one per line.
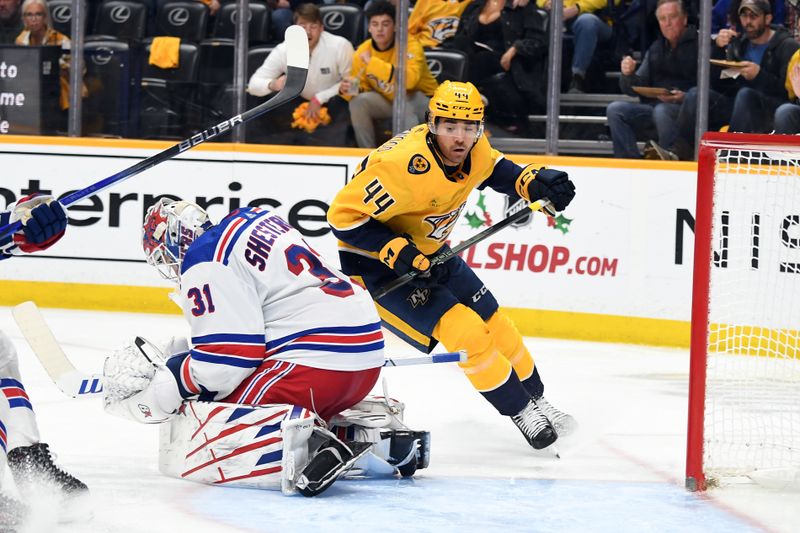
(744, 383)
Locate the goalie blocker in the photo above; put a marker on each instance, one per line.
(283, 447)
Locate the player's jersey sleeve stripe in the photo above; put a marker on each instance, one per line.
(226, 238)
(230, 338)
(238, 233)
(15, 393)
(228, 359)
(186, 377)
(3, 436)
(333, 330)
(337, 348)
(352, 341)
(246, 351)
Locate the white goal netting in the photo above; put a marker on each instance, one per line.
(752, 403)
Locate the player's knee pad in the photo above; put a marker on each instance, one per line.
(254, 446)
(396, 449)
(461, 328)
(510, 343)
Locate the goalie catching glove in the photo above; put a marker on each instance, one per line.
(534, 184)
(136, 388)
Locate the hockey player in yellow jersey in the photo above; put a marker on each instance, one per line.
(398, 211)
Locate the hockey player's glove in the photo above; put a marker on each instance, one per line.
(402, 256)
(43, 222)
(533, 184)
(137, 388)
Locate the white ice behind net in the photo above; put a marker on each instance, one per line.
(752, 413)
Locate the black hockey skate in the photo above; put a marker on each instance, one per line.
(534, 425)
(33, 466)
(12, 514)
(409, 451)
(332, 460)
(563, 423)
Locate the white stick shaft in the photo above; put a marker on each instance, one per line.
(77, 384)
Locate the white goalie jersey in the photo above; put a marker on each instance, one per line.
(252, 289)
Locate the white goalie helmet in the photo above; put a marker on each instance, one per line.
(170, 227)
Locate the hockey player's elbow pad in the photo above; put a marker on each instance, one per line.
(402, 256)
(534, 184)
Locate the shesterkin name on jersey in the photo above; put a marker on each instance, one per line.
(217, 243)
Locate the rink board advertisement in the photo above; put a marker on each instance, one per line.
(622, 249)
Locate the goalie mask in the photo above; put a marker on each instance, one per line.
(170, 227)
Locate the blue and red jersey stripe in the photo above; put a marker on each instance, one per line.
(15, 393)
(339, 339)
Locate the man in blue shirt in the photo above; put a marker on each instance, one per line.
(749, 93)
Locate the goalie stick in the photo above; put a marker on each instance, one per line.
(539, 205)
(77, 384)
(297, 70)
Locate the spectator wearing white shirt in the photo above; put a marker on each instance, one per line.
(331, 59)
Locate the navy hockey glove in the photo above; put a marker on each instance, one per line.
(436, 275)
(402, 256)
(43, 222)
(548, 183)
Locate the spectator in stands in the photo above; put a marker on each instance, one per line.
(10, 21)
(583, 18)
(507, 49)
(725, 14)
(433, 22)
(787, 116)
(331, 58)
(670, 63)
(283, 14)
(747, 101)
(371, 85)
(38, 31)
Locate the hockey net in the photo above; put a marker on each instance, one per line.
(744, 391)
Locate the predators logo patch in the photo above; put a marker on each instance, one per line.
(418, 165)
(443, 224)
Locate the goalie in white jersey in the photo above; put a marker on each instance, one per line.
(272, 323)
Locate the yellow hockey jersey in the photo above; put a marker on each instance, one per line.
(402, 188)
(378, 74)
(434, 21)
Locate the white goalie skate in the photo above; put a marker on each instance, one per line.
(563, 423)
(534, 425)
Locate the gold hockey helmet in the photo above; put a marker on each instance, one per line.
(458, 100)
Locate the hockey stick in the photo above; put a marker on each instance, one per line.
(297, 70)
(75, 383)
(539, 205)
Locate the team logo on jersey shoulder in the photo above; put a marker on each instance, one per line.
(443, 224)
(418, 165)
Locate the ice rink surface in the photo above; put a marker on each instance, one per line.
(622, 471)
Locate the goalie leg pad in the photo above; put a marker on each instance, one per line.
(409, 451)
(258, 446)
(331, 461)
(396, 449)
